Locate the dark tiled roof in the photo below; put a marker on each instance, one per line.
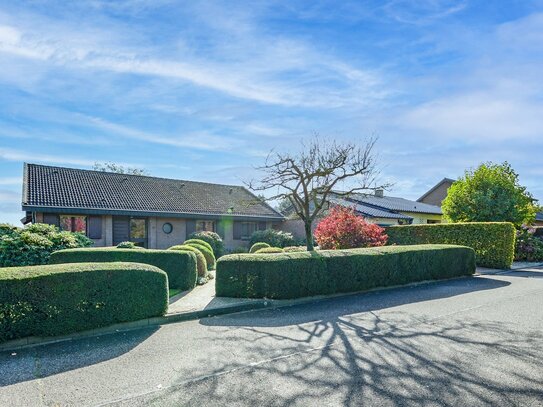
(539, 216)
(68, 188)
(367, 210)
(395, 204)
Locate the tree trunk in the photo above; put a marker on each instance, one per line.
(308, 235)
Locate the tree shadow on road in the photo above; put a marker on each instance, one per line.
(46, 360)
(345, 352)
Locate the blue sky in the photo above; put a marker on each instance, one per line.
(203, 90)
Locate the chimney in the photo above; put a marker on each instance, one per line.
(379, 193)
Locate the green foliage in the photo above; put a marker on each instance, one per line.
(127, 245)
(200, 242)
(213, 239)
(490, 193)
(64, 298)
(257, 246)
(528, 247)
(208, 254)
(180, 267)
(294, 249)
(34, 244)
(201, 263)
(269, 250)
(295, 275)
(275, 238)
(239, 250)
(493, 242)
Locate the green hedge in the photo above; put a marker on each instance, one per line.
(302, 274)
(201, 262)
(257, 246)
(64, 298)
(493, 242)
(207, 253)
(180, 267)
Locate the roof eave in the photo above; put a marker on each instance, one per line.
(128, 212)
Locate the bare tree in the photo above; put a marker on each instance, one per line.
(113, 167)
(307, 178)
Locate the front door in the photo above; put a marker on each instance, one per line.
(130, 229)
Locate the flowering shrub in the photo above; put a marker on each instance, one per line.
(213, 239)
(343, 229)
(528, 247)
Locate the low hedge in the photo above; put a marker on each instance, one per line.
(64, 298)
(269, 250)
(493, 242)
(302, 274)
(208, 254)
(180, 267)
(200, 242)
(201, 262)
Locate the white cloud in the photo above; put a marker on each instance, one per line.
(18, 155)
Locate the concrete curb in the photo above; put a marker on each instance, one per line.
(199, 314)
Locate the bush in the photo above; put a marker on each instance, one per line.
(343, 229)
(528, 247)
(200, 242)
(213, 239)
(294, 249)
(127, 245)
(493, 242)
(208, 254)
(34, 244)
(275, 238)
(269, 250)
(239, 250)
(258, 246)
(294, 275)
(201, 264)
(180, 267)
(64, 298)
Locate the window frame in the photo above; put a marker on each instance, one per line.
(212, 222)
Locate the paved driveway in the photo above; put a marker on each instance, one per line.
(474, 341)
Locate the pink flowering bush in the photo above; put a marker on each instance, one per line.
(344, 229)
(528, 247)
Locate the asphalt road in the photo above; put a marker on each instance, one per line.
(470, 342)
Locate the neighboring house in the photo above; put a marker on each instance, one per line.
(538, 219)
(389, 210)
(437, 193)
(378, 208)
(152, 212)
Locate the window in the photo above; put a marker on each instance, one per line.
(205, 226)
(247, 229)
(167, 228)
(73, 223)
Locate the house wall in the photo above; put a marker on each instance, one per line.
(160, 240)
(437, 196)
(107, 229)
(422, 218)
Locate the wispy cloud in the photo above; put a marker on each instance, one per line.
(9, 154)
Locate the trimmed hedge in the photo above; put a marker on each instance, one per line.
(201, 263)
(257, 246)
(200, 242)
(180, 267)
(64, 298)
(269, 250)
(213, 239)
(208, 254)
(295, 275)
(493, 242)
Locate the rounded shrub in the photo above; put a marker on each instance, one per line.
(180, 267)
(201, 263)
(66, 298)
(269, 250)
(275, 238)
(208, 254)
(200, 242)
(127, 245)
(213, 239)
(257, 246)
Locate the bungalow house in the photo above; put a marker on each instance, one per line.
(153, 212)
(538, 219)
